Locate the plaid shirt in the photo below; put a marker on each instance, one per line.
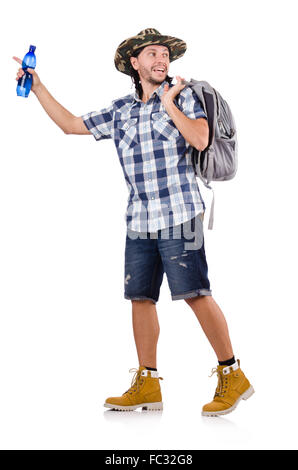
(155, 158)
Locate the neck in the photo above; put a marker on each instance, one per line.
(148, 89)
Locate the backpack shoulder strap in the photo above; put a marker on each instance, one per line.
(208, 99)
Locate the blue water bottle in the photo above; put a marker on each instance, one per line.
(25, 82)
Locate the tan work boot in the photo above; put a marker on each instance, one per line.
(232, 387)
(144, 392)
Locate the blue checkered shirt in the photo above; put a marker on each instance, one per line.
(155, 158)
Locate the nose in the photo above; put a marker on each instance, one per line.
(161, 61)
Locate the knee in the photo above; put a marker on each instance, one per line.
(198, 299)
(192, 300)
(142, 301)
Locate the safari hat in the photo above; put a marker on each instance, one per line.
(145, 38)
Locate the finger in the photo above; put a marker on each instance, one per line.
(18, 60)
(181, 82)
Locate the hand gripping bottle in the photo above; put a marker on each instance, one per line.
(25, 82)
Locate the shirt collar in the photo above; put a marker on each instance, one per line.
(158, 92)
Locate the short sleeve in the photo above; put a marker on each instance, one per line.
(99, 123)
(190, 104)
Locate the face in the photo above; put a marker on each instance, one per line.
(152, 64)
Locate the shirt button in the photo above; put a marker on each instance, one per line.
(152, 197)
(149, 179)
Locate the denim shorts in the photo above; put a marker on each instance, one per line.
(178, 251)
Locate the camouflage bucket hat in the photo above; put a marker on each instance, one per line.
(145, 38)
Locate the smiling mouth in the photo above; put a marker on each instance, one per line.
(161, 70)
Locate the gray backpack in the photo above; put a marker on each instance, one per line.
(219, 160)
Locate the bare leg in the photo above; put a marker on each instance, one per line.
(214, 325)
(146, 331)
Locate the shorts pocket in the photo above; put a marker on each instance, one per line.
(126, 133)
(163, 127)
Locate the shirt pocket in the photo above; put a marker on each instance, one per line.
(163, 127)
(126, 133)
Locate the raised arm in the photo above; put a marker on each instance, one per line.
(64, 119)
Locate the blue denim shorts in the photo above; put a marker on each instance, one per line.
(178, 251)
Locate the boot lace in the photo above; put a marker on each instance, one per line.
(222, 384)
(136, 381)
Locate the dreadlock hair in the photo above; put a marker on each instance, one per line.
(134, 74)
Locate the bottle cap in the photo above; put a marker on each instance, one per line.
(32, 48)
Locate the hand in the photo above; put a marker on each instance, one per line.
(35, 78)
(169, 94)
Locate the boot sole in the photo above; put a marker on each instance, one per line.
(245, 396)
(145, 406)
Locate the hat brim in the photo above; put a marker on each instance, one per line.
(127, 48)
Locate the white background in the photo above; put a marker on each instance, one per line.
(66, 339)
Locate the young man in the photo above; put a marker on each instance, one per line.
(154, 130)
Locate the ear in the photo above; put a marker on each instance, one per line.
(134, 62)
